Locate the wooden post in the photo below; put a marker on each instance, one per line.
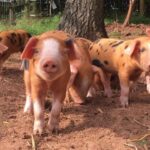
(50, 8)
(11, 13)
(129, 14)
(34, 12)
(27, 9)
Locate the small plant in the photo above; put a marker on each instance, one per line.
(115, 34)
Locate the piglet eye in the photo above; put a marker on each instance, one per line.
(142, 49)
(36, 51)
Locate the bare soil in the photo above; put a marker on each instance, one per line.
(99, 125)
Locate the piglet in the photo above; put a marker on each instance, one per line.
(127, 58)
(145, 57)
(82, 71)
(48, 69)
(13, 41)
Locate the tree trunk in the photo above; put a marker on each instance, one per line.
(142, 7)
(84, 18)
(131, 6)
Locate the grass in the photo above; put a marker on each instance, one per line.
(38, 26)
(115, 34)
(34, 26)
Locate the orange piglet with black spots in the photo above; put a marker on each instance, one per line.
(127, 58)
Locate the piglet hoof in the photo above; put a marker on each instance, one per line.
(28, 109)
(124, 102)
(91, 94)
(79, 101)
(38, 127)
(55, 131)
(109, 94)
(53, 128)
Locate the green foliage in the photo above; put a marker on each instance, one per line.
(108, 21)
(140, 20)
(34, 26)
(135, 19)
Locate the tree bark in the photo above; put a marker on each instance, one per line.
(84, 18)
(142, 7)
(129, 14)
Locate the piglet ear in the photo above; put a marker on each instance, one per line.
(148, 31)
(29, 48)
(3, 48)
(133, 48)
(71, 48)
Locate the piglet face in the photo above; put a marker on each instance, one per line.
(50, 59)
(145, 55)
(50, 54)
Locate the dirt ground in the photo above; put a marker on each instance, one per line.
(99, 125)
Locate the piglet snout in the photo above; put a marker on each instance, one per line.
(50, 66)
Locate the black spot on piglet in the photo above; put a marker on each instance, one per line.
(123, 64)
(105, 50)
(106, 62)
(20, 41)
(13, 35)
(97, 63)
(117, 44)
(142, 49)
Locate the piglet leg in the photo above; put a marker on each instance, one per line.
(105, 81)
(124, 84)
(28, 108)
(54, 116)
(73, 91)
(74, 72)
(77, 98)
(38, 116)
(148, 83)
(38, 95)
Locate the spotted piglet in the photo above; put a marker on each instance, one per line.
(12, 41)
(48, 69)
(126, 58)
(145, 58)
